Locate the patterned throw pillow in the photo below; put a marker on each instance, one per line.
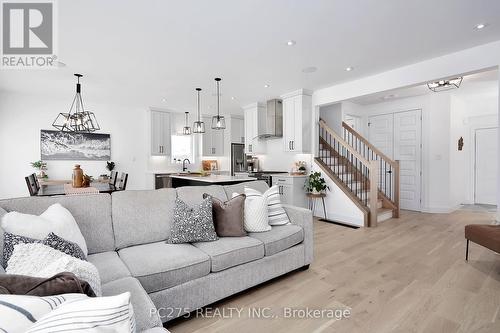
(256, 219)
(23, 311)
(192, 224)
(9, 240)
(276, 213)
(90, 314)
(64, 246)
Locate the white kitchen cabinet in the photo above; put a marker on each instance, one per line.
(291, 189)
(160, 133)
(212, 140)
(297, 121)
(253, 145)
(237, 130)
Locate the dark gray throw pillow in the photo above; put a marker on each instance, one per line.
(64, 246)
(192, 224)
(229, 216)
(9, 240)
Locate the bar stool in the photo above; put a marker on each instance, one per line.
(312, 201)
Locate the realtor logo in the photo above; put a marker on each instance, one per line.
(28, 34)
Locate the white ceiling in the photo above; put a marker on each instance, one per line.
(139, 52)
(475, 84)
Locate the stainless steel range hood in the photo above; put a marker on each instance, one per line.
(270, 120)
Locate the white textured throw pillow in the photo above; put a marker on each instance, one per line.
(91, 315)
(255, 214)
(23, 311)
(276, 213)
(56, 219)
(40, 260)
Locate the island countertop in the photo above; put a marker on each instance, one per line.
(213, 179)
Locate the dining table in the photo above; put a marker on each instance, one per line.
(95, 187)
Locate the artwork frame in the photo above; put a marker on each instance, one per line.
(67, 146)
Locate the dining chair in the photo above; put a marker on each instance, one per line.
(32, 184)
(122, 185)
(113, 177)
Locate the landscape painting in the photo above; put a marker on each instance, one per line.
(56, 145)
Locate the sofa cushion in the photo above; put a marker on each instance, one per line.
(91, 212)
(146, 315)
(193, 195)
(279, 238)
(231, 251)
(141, 217)
(160, 265)
(258, 185)
(109, 265)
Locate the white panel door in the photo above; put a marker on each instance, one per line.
(486, 166)
(381, 134)
(407, 149)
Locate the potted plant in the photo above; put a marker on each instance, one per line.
(41, 167)
(110, 165)
(316, 184)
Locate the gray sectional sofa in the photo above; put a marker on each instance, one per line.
(126, 232)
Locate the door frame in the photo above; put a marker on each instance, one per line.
(474, 158)
(420, 148)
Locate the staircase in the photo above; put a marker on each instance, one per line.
(367, 176)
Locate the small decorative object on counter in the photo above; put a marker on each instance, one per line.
(41, 166)
(299, 168)
(316, 184)
(86, 180)
(77, 176)
(110, 165)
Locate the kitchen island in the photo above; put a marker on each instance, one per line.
(187, 180)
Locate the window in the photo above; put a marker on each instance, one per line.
(182, 147)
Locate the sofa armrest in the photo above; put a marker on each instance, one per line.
(304, 218)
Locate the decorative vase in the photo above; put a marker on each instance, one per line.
(77, 176)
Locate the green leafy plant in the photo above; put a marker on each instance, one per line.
(110, 165)
(316, 183)
(39, 165)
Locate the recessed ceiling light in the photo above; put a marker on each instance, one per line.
(481, 26)
(291, 42)
(311, 69)
(233, 98)
(349, 68)
(266, 86)
(163, 99)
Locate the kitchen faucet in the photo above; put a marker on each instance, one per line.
(184, 167)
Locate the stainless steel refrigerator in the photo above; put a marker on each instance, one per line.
(238, 158)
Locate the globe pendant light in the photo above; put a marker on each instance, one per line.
(218, 121)
(199, 126)
(77, 120)
(186, 130)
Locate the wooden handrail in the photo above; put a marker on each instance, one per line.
(344, 143)
(369, 145)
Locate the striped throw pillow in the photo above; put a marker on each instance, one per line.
(275, 211)
(20, 312)
(92, 314)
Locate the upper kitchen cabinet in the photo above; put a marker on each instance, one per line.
(253, 145)
(160, 133)
(213, 140)
(237, 129)
(297, 120)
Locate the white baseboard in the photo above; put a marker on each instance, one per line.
(439, 210)
(351, 220)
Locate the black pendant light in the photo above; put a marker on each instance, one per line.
(218, 121)
(199, 126)
(77, 120)
(186, 130)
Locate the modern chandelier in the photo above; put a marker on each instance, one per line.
(77, 120)
(443, 85)
(218, 121)
(199, 126)
(186, 130)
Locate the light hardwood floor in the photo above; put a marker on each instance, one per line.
(406, 275)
